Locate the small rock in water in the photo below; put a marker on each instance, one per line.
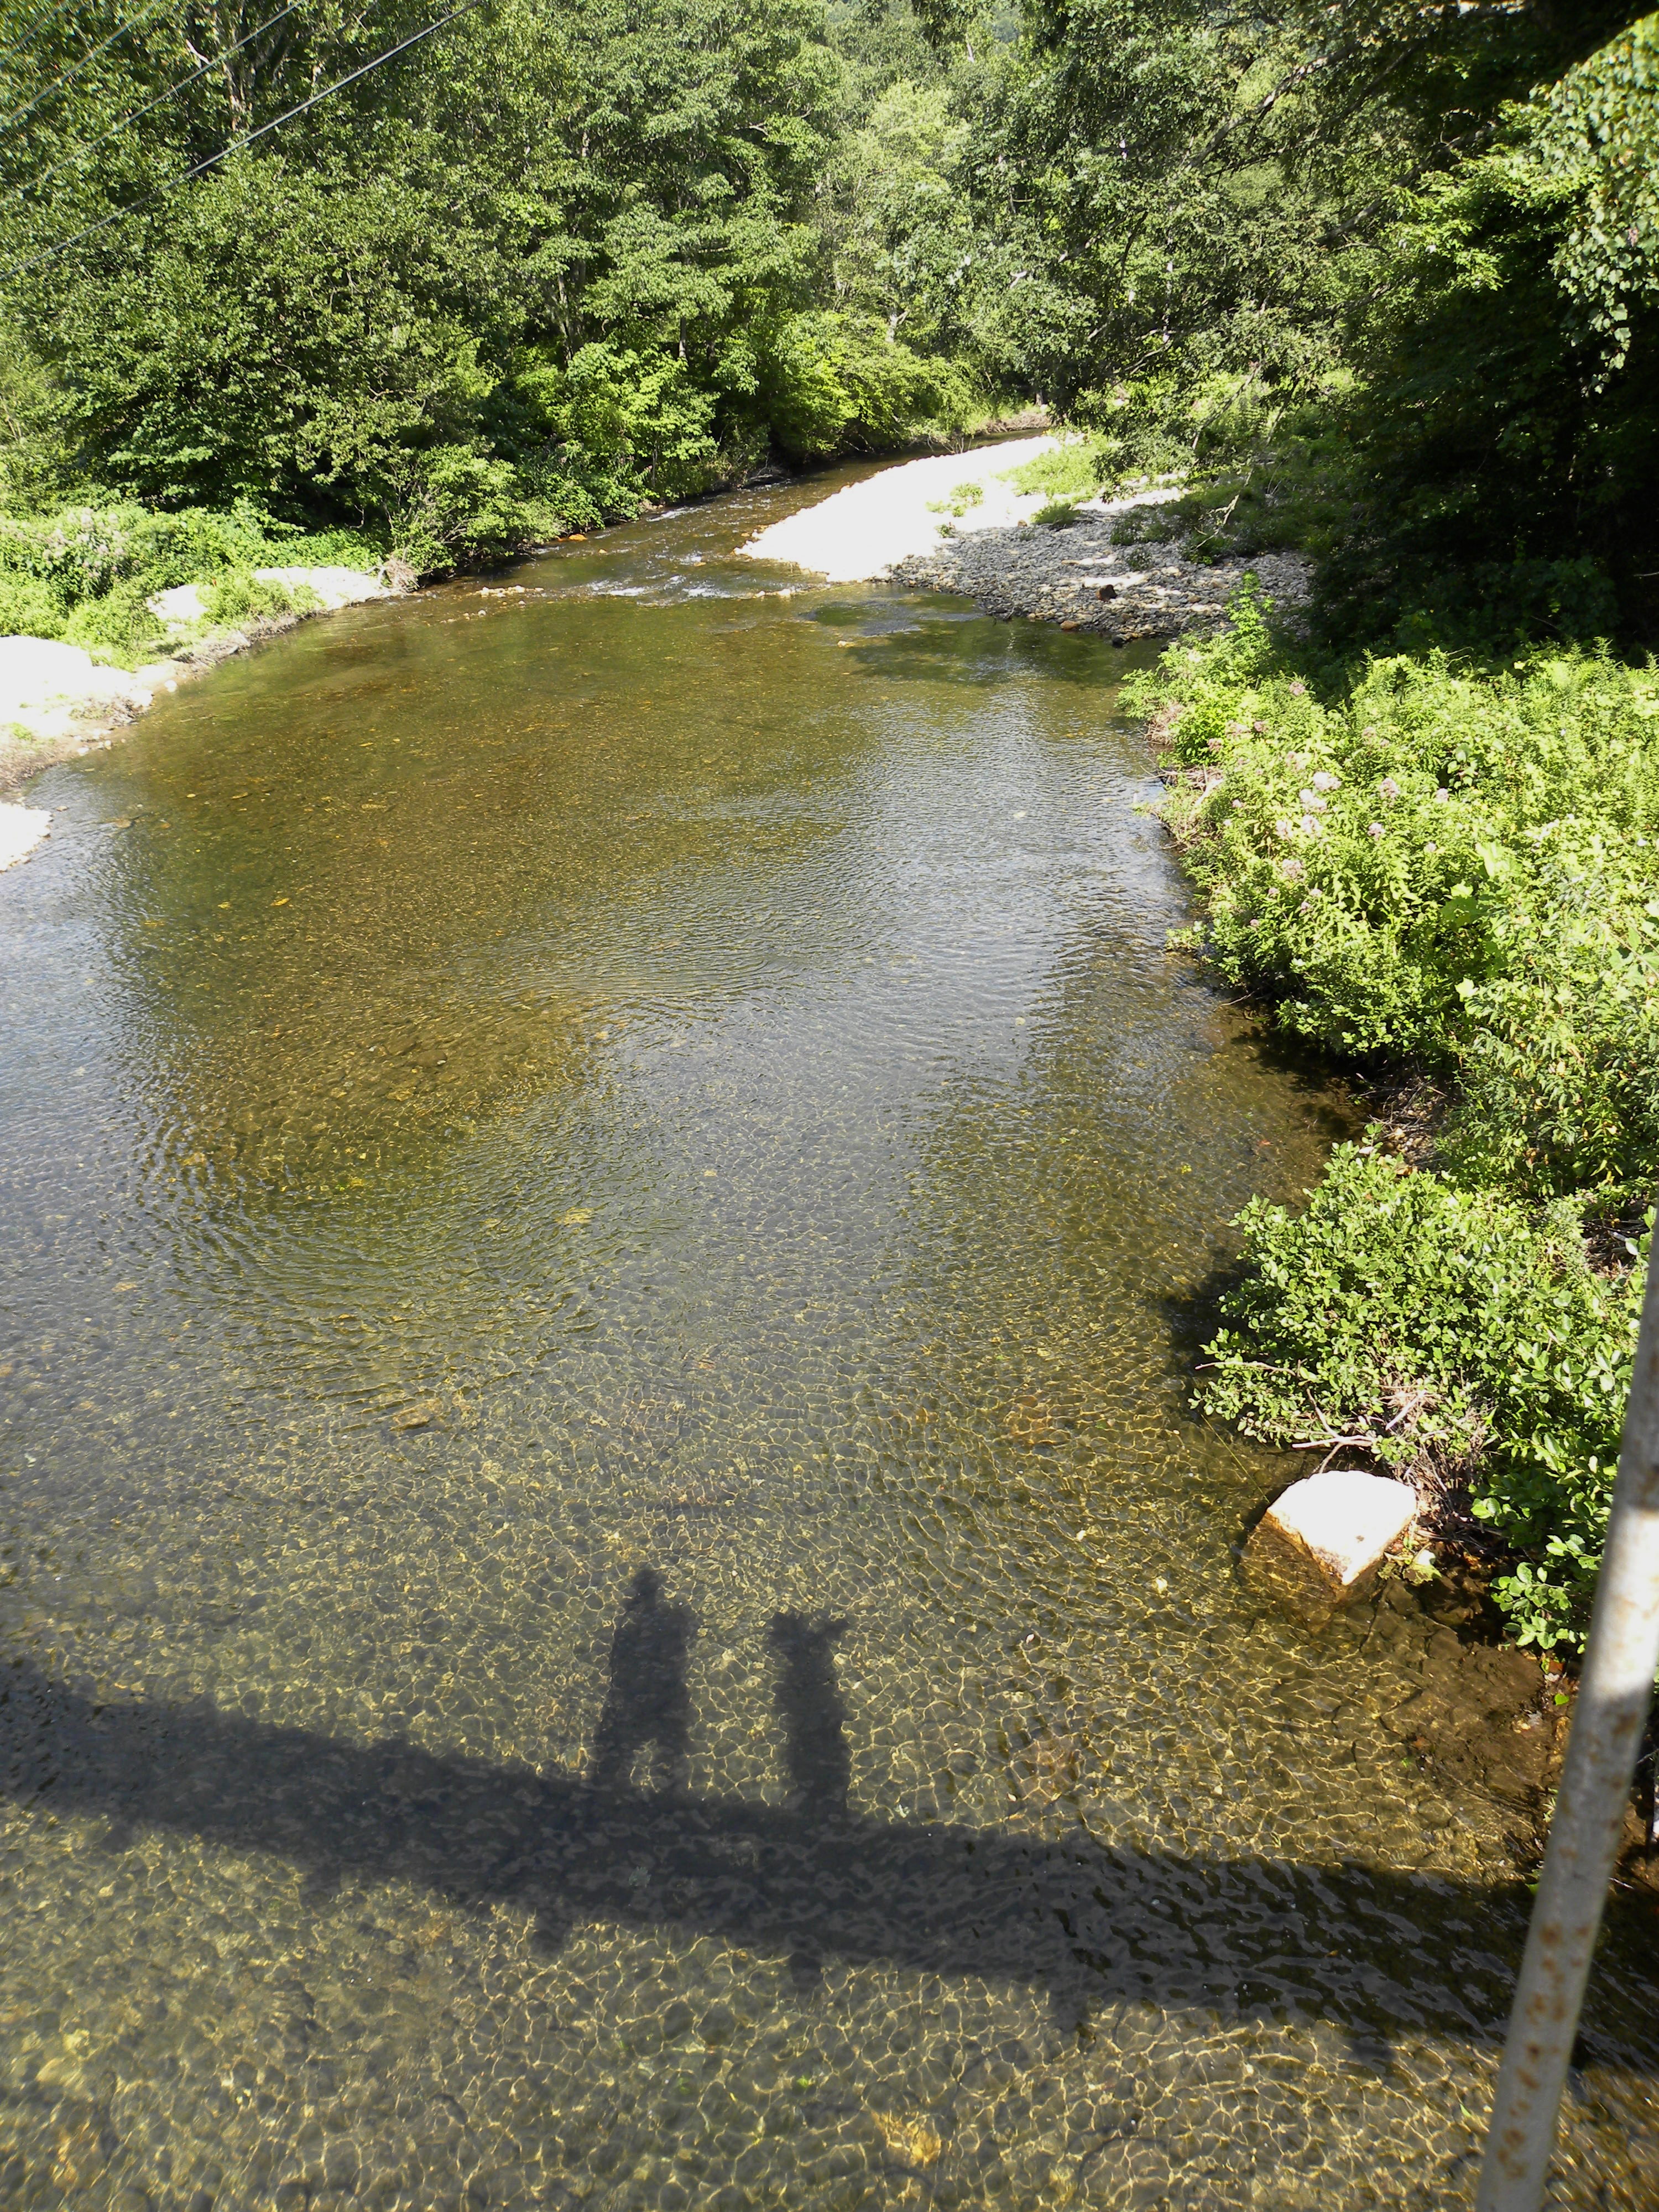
(1321, 1543)
(917, 2141)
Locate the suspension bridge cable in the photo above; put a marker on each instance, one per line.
(68, 76)
(81, 154)
(236, 145)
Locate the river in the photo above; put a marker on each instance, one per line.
(609, 1590)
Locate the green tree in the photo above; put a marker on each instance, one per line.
(550, 265)
(1506, 427)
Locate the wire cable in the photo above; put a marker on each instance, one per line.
(68, 76)
(40, 16)
(236, 145)
(33, 184)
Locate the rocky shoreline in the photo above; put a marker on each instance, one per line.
(967, 524)
(1076, 576)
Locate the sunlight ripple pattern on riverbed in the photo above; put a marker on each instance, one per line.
(609, 1593)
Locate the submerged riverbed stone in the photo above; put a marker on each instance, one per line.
(915, 2140)
(1321, 1543)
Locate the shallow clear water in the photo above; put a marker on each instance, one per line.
(609, 1594)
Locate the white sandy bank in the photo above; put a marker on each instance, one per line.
(45, 684)
(22, 829)
(858, 534)
(55, 698)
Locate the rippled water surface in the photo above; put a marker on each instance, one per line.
(609, 1596)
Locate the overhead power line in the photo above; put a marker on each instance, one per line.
(81, 67)
(40, 16)
(137, 115)
(236, 145)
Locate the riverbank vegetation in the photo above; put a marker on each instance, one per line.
(1374, 279)
(1372, 275)
(1448, 876)
(86, 574)
(1425, 836)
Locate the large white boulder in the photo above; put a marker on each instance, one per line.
(42, 673)
(334, 587)
(179, 602)
(1321, 1543)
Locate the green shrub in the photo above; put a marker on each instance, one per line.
(1451, 1338)
(1074, 470)
(1557, 1058)
(1391, 862)
(833, 383)
(959, 501)
(1419, 861)
(452, 506)
(288, 546)
(29, 608)
(605, 434)
(240, 596)
(120, 625)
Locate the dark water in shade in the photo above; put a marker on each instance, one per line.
(606, 1593)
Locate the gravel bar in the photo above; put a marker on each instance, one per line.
(1075, 575)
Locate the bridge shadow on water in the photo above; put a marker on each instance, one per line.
(1375, 1952)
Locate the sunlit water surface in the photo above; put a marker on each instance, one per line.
(609, 1593)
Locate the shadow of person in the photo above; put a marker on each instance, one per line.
(809, 1703)
(646, 1701)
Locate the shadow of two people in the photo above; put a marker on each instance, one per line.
(647, 1700)
(1377, 1950)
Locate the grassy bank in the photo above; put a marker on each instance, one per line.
(1450, 878)
(86, 572)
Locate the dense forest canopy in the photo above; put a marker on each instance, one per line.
(466, 274)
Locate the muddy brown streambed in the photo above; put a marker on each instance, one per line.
(609, 1596)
